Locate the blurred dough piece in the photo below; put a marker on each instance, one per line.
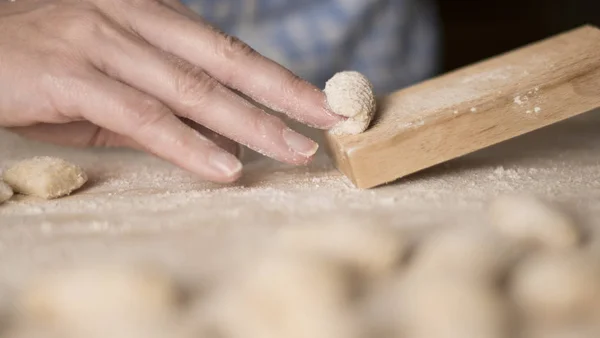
(46, 177)
(371, 249)
(291, 296)
(466, 252)
(452, 308)
(528, 219)
(556, 287)
(5, 192)
(100, 301)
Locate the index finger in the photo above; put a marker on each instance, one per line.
(232, 63)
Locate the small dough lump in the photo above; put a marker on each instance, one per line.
(351, 94)
(369, 248)
(46, 177)
(529, 219)
(557, 286)
(5, 192)
(291, 296)
(99, 301)
(464, 252)
(450, 308)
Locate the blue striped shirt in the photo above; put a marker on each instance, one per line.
(393, 42)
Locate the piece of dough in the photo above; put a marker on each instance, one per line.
(528, 219)
(369, 248)
(557, 287)
(286, 295)
(351, 94)
(46, 177)
(108, 300)
(450, 308)
(568, 331)
(5, 192)
(465, 252)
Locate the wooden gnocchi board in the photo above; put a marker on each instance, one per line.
(474, 107)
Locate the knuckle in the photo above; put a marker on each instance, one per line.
(195, 87)
(81, 24)
(232, 48)
(147, 113)
(263, 123)
(292, 85)
(101, 138)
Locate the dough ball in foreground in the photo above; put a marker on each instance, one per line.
(450, 286)
(94, 300)
(466, 252)
(530, 220)
(5, 192)
(291, 296)
(46, 177)
(371, 249)
(557, 286)
(350, 94)
(451, 308)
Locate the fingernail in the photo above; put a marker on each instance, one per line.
(299, 143)
(332, 120)
(225, 163)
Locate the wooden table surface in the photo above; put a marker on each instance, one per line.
(138, 208)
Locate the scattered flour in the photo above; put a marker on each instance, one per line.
(520, 100)
(413, 124)
(501, 172)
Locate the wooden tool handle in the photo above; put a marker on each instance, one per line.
(475, 107)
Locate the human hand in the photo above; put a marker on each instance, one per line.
(148, 74)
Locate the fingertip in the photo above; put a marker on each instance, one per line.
(330, 119)
(219, 166)
(297, 98)
(229, 179)
(300, 160)
(227, 165)
(322, 116)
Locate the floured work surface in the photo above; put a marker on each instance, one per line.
(139, 204)
(137, 208)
